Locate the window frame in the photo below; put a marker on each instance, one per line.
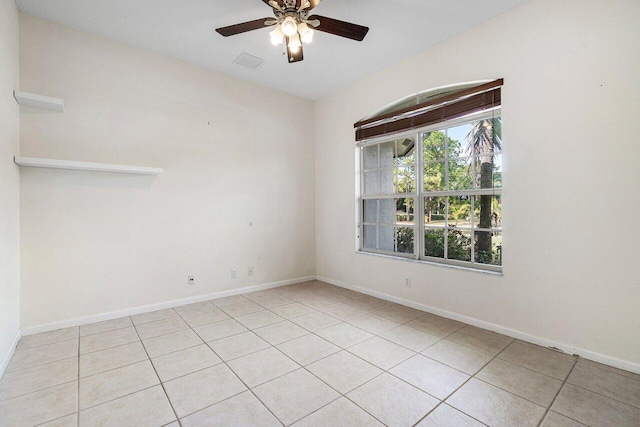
(420, 195)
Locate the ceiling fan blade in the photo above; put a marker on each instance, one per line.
(293, 57)
(232, 30)
(340, 28)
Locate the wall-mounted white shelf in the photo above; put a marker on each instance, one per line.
(36, 162)
(38, 101)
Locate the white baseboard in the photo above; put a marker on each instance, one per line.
(159, 306)
(9, 354)
(587, 354)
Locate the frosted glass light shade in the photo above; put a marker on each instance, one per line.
(289, 26)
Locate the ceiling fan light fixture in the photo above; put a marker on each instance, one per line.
(294, 43)
(289, 26)
(306, 33)
(276, 36)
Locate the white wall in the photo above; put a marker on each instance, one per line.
(9, 181)
(571, 174)
(232, 153)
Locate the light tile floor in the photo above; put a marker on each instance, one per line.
(309, 354)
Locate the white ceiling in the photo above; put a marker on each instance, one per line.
(184, 29)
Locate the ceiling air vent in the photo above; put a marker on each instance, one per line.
(249, 61)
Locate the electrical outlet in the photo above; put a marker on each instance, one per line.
(191, 279)
(250, 271)
(234, 274)
(407, 282)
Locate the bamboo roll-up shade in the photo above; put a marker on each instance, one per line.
(446, 107)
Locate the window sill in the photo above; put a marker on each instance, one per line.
(421, 261)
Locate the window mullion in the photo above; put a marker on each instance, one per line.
(446, 159)
(361, 202)
(379, 165)
(472, 221)
(446, 228)
(418, 202)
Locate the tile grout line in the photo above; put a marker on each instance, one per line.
(371, 379)
(465, 382)
(322, 407)
(158, 377)
(119, 397)
(40, 364)
(530, 369)
(249, 389)
(43, 345)
(343, 394)
(233, 372)
(575, 363)
(602, 395)
(108, 330)
(306, 370)
(595, 392)
(46, 423)
(41, 389)
(443, 403)
(113, 369)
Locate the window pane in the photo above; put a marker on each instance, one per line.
(406, 179)
(387, 181)
(457, 140)
(459, 211)
(386, 238)
(435, 210)
(406, 151)
(461, 174)
(387, 211)
(404, 240)
(369, 240)
(484, 137)
(434, 243)
(404, 211)
(488, 212)
(372, 182)
(370, 210)
(496, 212)
(433, 143)
(370, 154)
(387, 153)
(497, 171)
(488, 171)
(488, 247)
(484, 171)
(434, 177)
(459, 245)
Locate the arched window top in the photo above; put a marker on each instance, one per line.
(423, 96)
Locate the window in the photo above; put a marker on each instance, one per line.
(435, 193)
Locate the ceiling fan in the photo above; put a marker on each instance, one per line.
(294, 26)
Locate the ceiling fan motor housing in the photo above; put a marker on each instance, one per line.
(290, 4)
(290, 9)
